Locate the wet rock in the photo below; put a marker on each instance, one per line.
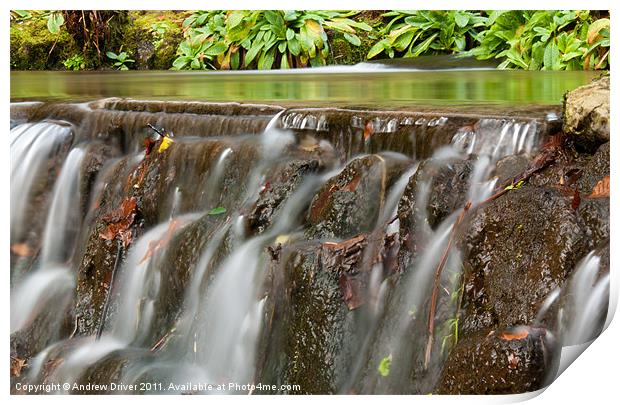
(278, 187)
(493, 362)
(95, 157)
(511, 167)
(521, 246)
(350, 203)
(586, 114)
(596, 167)
(312, 332)
(177, 267)
(435, 191)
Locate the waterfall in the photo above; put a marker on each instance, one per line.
(256, 252)
(48, 287)
(31, 145)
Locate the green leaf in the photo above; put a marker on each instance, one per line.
(461, 19)
(353, 39)
(217, 49)
(294, 47)
(290, 34)
(180, 62)
(376, 49)
(384, 366)
(54, 21)
(235, 19)
(423, 46)
(217, 211)
(234, 61)
(266, 60)
(284, 62)
(254, 50)
(111, 55)
(551, 60)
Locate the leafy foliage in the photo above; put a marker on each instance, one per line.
(76, 62)
(419, 32)
(120, 59)
(545, 39)
(262, 38)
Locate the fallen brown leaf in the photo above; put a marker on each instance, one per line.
(21, 249)
(120, 221)
(517, 335)
(601, 189)
(17, 365)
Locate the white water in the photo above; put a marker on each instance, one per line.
(497, 138)
(587, 300)
(31, 146)
(49, 287)
(64, 217)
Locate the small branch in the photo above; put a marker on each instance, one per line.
(436, 283)
(546, 157)
(117, 261)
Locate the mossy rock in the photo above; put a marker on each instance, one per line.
(152, 48)
(33, 47)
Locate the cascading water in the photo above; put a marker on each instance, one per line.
(32, 144)
(48, 287)
(254, 257)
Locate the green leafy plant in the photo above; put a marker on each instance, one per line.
(54, 22)
(121, 59)
(55, 19)
(76, 62)
(419, 32)
(262, 38)
(159, 30)
(522, 39)
(546, 39)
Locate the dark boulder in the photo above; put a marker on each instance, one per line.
(351, 202)
(495, 363)
(520, 246)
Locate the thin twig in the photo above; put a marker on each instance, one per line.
(119, 253)
(546, 157)
(438, 271)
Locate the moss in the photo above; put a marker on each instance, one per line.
(31, 43)
(152, 49)
(345, 53)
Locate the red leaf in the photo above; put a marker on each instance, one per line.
(154, 246)
(576, 199)
(17, 365)
(368, 130)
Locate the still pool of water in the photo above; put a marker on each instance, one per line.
(362, 85)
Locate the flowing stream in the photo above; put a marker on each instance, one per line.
(289, 246)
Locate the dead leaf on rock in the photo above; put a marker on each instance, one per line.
(21, 249)
(516, 335)
(601, 189)
(351, 289)
(120, 221)
(344, 244)
(17, 365)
